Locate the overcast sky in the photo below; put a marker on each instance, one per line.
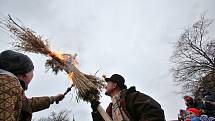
(130, 37)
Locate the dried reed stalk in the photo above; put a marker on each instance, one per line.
(26, 38)
(88, 86)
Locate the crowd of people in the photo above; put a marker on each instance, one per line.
(200, 107)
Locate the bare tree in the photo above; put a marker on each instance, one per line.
(194, 55)
(60, 116)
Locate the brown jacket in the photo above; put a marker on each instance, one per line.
(14, 106)
(138, 107)
(33, 105)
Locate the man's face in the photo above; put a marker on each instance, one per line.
(201, 89)
(27, 77)
(110, 87)
(190, 114)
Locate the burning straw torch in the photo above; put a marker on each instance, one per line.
(88, 87)
(89, 95)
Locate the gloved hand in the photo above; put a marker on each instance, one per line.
(56, 98)
(94, 104)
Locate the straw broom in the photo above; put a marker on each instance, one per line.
(88, 86)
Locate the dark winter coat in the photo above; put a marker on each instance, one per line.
(138, 107)
(206, 102)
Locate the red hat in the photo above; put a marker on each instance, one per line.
(194, 111)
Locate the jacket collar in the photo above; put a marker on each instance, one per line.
(8, 73)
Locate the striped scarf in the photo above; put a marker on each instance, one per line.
(117, 111)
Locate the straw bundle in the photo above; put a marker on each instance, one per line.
(88, 86)
(26, 38)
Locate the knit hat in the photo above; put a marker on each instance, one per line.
(116, 78)
(194, 111)
(15, 62)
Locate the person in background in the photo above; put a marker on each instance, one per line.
(205, 101)
(16, 72)
(128, 104)
(182, 115)
(189, 101)
(193, 114)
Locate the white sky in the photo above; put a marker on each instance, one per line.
(132, 38)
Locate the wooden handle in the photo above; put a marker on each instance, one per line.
(103, 113)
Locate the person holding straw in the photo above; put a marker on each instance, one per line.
(16, 72)
(128, 104)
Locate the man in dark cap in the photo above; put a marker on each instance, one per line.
(128, 104)
(16, 72)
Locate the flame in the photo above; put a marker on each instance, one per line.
(69, 59)
(71, 77)
(58, 54)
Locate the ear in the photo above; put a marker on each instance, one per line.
(115, 85)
